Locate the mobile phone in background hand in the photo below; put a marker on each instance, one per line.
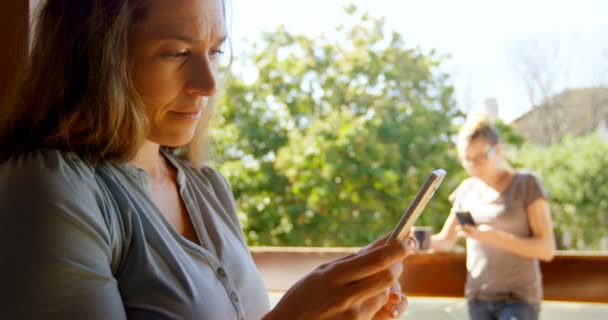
(415, 209)
(464, 217)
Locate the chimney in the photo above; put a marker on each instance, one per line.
(491, 105)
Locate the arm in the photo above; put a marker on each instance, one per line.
(56, 254)
(444, 240)
(541, 245)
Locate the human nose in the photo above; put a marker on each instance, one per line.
(472, 163)
(202, 78)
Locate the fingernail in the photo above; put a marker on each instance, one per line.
(411, 242)
(394, 297)
(395, 312)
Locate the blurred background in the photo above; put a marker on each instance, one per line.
(336, 111)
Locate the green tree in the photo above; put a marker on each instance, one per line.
(575, 176)
(331, 140)
(508, 134)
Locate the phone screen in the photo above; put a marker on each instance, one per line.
(464, 217)
(415, 209)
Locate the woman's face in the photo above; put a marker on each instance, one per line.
(480, 158)
(175, 48)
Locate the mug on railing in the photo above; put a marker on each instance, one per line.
(423, 236)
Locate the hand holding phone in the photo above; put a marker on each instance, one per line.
(464, 218)
(415, 209)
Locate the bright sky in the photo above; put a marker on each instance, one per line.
(483, 38)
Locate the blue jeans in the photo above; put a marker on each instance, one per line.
(503, 310)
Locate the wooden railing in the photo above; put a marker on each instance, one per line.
(571, 276)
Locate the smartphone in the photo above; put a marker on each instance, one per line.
(415, 209)
(464, 217)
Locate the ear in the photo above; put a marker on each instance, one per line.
(498, 150)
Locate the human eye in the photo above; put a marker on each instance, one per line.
(177, 54)
(216, 53)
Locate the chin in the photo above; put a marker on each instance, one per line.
(174, 139)
(477, 174)
(179, 142)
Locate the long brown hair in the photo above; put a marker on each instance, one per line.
(76, 93)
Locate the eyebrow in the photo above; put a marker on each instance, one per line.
(185, 38)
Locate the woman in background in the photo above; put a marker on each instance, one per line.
(512, 230)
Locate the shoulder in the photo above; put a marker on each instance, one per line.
(215, 177)
(48, 169)
(527, 177)
(529, 185)
(48, 194)
(526, 174)
(465, 186)
(56, 248)
(220, 185)
(468, 183)
(51, 197)
(49, 187)
(204, 174)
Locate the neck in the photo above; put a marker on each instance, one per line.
(149, 159)
(498, 180)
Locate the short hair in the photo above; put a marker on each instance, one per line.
(477, 126)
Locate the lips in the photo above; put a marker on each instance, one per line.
(188, 113)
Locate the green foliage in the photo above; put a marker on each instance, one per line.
(325, 142)
(330, 140)
(508, 134)
(575, 176)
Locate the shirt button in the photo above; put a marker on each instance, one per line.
(221, 272)
(234, 296)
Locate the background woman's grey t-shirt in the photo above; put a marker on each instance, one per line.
(87, 242)
(494, 273)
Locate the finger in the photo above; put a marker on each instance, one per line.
(469, 228)
(325, 265)
(373, 305)
(378, 283)
(412, 242)
(371, 262)
(394, 295)
(393, 311)
(384, 314)
(378, 242)
(410, 234)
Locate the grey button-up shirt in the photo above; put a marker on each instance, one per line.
(80, 241)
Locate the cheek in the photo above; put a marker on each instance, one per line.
(473, 171)
(156, 83)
